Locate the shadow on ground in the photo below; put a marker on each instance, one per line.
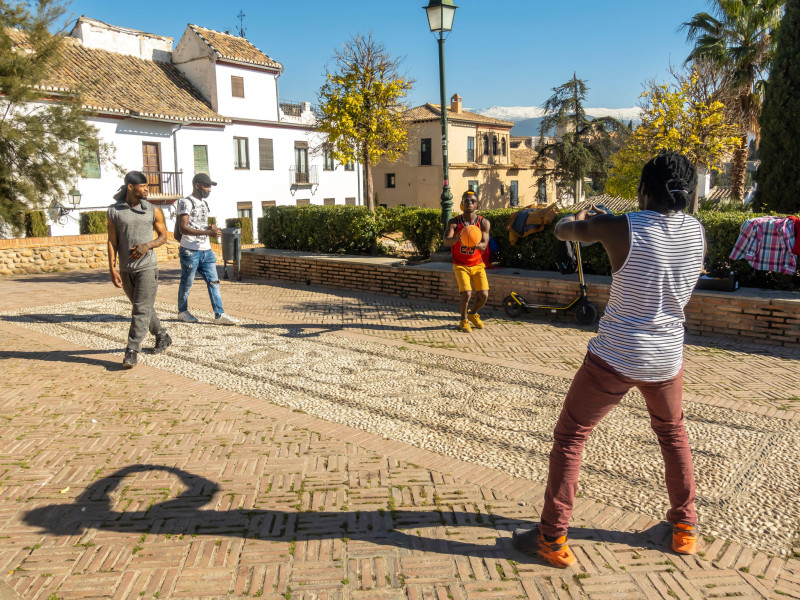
(184, 515)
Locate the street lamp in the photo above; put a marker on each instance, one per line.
(74, 198)
(440, 20)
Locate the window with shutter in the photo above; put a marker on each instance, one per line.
(265, 156)
(90, 161)
(237, 86)
(201, 160)
(241, 154)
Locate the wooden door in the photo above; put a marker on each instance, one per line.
(151, 159)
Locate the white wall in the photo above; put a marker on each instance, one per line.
(192, 57)
(127, 136)
(234, 185)
(260, 94)
(121, 40)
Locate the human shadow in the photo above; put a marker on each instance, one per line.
(184, 515)
(54, 317)
(66, 356)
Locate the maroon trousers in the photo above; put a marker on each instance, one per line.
(596, 389)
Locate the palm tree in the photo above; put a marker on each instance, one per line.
(738, 38)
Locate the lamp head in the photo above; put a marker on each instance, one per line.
(74, 197)
(440, 15)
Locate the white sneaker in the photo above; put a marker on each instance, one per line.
(187, 317)
(224, 319)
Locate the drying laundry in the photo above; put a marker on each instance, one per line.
(767, 244)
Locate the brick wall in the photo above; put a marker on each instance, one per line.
(750, 315)
(20, 256)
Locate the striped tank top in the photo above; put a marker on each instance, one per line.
(641, 332)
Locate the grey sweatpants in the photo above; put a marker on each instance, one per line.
(141, 288)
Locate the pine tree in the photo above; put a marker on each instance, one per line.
(583, 146)
(778, 176)
(39, 153)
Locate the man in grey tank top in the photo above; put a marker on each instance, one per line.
(656, 257)
(131, 222)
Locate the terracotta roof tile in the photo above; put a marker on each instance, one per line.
(722, 193)
(233, 47)
(126, 85)
(432, 112)
(618, 204)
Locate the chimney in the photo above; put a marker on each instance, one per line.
(455, 103)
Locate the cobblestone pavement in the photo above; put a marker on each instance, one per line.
(147, 483)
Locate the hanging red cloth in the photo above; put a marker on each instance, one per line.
(796, 248)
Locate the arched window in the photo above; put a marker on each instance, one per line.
(503, 146)
(486, 143)
(494, 145)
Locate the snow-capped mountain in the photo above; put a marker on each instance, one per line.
(527, 118)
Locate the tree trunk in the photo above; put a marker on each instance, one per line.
(369, 190)
(739, 170)
(694, 203)
(577, 191)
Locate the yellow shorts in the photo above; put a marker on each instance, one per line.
(471, 278)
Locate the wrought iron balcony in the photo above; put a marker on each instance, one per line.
(164, 185)
(301, 177)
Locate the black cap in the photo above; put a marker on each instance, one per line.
(135, 178)
(203, 179)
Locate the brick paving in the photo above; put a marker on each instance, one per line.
(143, 484)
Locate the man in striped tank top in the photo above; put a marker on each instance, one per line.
(656, 257)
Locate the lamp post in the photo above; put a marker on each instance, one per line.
(440, 20)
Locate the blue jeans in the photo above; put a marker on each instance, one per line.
(205, 263)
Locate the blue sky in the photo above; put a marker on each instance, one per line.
(500, 52)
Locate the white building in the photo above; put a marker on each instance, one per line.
(210, 105)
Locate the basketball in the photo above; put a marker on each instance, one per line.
(470, 236)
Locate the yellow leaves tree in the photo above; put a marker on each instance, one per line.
(678, 117)
(361, 106)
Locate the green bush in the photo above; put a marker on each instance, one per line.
(420, 226)
(353, 230)
(93, 221)
(36, 224)
(537, 252)
(338, 229)
(245, 224)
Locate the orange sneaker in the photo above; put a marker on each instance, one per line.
(475, 319)
(532, 541)
(684, 538)
(464, 326)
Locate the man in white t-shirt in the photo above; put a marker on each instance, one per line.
(196, 254)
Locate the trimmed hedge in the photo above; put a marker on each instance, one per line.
(243, 223)
(93, 221)
(420, 226)
(337, 229)
(354, 230)
(36, 224)
(537, 252)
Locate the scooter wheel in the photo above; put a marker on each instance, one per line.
(585, 313)
(513, 308)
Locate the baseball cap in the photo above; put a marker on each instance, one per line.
(203, 179)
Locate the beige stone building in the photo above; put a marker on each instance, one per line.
(483, 154)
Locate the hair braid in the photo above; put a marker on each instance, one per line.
(670, 179)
